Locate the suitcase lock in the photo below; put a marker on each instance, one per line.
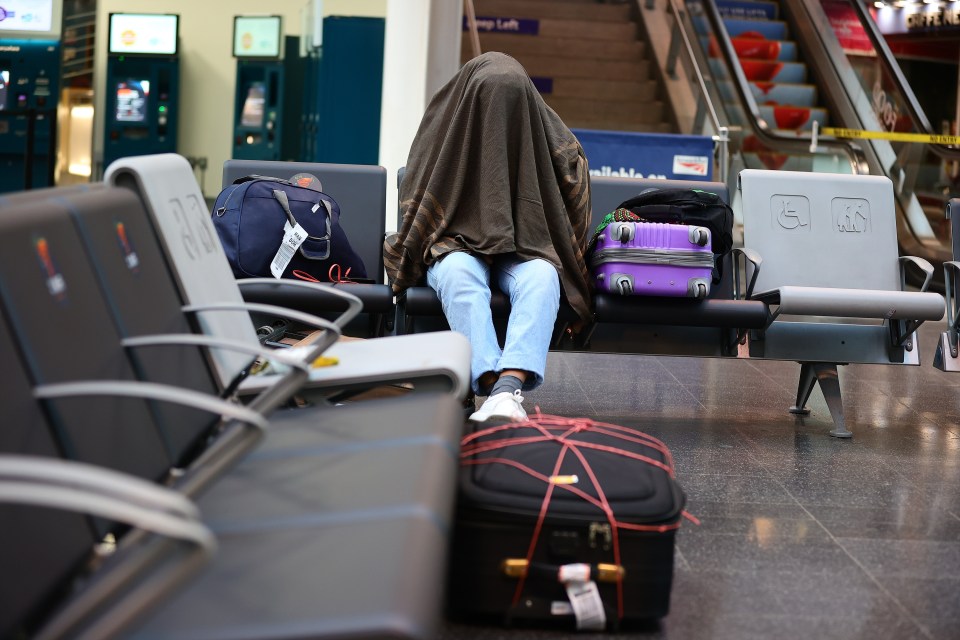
(599, 535)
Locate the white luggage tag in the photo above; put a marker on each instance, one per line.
(584, 597)
(293, 236)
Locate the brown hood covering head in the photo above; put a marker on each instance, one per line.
(493, 170)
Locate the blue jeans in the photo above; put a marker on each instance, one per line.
(462, 282)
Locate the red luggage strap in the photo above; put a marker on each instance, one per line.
(559, 429)
(333, 275)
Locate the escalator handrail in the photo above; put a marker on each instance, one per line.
(722, 138)
(851, 150)
(893, 70)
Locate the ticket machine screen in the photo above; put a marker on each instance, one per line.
(132, 100)
(252, 113)
(4, 83)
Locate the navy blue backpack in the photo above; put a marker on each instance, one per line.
(250, 216)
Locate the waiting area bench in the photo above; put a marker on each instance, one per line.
(142, 498)
(818, 282)
(820, 307)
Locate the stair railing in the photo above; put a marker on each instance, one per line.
(471, 12)
(722, 138)
(761, 129)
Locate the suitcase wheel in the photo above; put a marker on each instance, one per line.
(698, 288)
(624, 286)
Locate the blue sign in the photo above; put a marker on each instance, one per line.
(647, 155)
(497, 24)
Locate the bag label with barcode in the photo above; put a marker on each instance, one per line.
(587, 605)
(293, 237)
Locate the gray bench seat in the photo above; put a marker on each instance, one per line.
(167, 188)
(344, 502)
(821, 249)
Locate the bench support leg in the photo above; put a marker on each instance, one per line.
(829, 378)
(808, 378)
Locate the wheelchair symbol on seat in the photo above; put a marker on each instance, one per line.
(788, 217)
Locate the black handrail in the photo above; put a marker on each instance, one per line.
(889, 62)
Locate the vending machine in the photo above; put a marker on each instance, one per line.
(143, 80)
(29, 89)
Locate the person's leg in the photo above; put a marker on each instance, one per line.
(462, 282)
(534, 290)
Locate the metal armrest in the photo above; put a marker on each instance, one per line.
(953, 313)
(90, 490)
(97, 480)
(330, 336)
(281, 356)
(354, 304)
(751, 256)
(97, 504)
(922, 264)
(153, 391)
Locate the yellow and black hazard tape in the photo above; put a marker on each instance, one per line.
(838, 132)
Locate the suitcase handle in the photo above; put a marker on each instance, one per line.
(520, 568)
(699, 236)
(624, 232)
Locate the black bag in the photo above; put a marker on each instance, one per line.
(691, 207)
(250, 216)
(687, 206)
(508, 545)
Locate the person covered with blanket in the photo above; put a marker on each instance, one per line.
(496, 190)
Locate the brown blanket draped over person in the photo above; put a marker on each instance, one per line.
(493, 170)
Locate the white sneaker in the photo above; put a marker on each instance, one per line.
(504, 405)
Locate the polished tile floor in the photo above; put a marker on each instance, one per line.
(802, 535)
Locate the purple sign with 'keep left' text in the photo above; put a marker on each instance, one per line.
(498, 24)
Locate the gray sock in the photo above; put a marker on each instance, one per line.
(507, 384)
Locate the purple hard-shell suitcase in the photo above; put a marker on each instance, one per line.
(653, 259)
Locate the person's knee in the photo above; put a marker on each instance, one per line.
(543, 271)
(539, 278)
(461, 274)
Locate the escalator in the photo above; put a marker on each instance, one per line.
(774, 72)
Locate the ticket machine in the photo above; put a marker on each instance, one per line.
(29, 90)
(258, 107)
(142, 88)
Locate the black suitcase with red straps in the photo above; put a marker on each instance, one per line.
(561, 520)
